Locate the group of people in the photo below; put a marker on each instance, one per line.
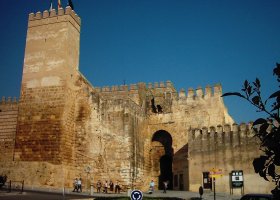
(113, 187)
(77, 185)
(152, 186)
(108, 186)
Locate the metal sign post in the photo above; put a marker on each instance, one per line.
(87, 170)
(214, 182)
(215, 173)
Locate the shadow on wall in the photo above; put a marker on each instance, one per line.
(181, 169)
(165, 160)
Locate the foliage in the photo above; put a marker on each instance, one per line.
(267, 130)
(3, 180)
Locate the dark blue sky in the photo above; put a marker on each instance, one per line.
(192, 43)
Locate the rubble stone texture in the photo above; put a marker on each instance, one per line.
(62, 127)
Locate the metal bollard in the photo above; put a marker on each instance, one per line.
(129, 192)
(91, 189)
(200, 192)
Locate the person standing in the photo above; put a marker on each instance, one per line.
(165, 183)
(79, 185)
(152, 186)
(106, 187)
(111, 186)
(75, 185)
(117, 187)
(98, 186)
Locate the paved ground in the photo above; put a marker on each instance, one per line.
(43, 195)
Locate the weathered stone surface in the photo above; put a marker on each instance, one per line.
(231, 150)
(63, 127)
(8, 123)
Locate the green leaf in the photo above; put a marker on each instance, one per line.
(271, 170)
(259, 121)
(263, 174)
(263, 128)
(249, 90)
(278, 99)
(246, 84)
(275, 94)
(276, 107)
(277, 160)
(258, 83)
(276, 70)
(233, 94)
(256, 100)
(259, 163)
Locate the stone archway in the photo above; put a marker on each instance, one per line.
(162, 158)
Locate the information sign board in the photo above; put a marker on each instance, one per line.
(216, 173)
(237, 178)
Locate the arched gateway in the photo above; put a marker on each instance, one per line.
(162, 155)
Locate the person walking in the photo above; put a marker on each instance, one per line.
(98, 186)
(106, 187)
(117, 187)
(79, 185)
(75, 185)
(165, 183)
(111, 186)
(152, 187)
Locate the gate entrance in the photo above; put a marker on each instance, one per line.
(162, 144)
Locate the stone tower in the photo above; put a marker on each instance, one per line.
(45, 119)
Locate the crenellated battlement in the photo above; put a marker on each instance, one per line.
(135, 87)
(161, 84)
(8, 101)
(221, 131)
(8, 104)
(54, 13)
(208, 92)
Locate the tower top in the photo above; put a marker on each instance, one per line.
(53, 13)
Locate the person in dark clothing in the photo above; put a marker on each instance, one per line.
(117, 187)
(98, 186)
(75, 185)
(111, 186)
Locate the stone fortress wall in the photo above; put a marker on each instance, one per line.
(8, 123)
(227, 148)
(63, 127)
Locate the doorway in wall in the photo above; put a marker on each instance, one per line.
(164, 157)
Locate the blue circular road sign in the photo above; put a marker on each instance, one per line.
(136, 195)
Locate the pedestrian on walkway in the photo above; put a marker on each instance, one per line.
(111, 186)
(151, 187)
(98, 186)
(165, 184)
(117, 187)
(75, 185)
(106, 187)
(79, 185)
